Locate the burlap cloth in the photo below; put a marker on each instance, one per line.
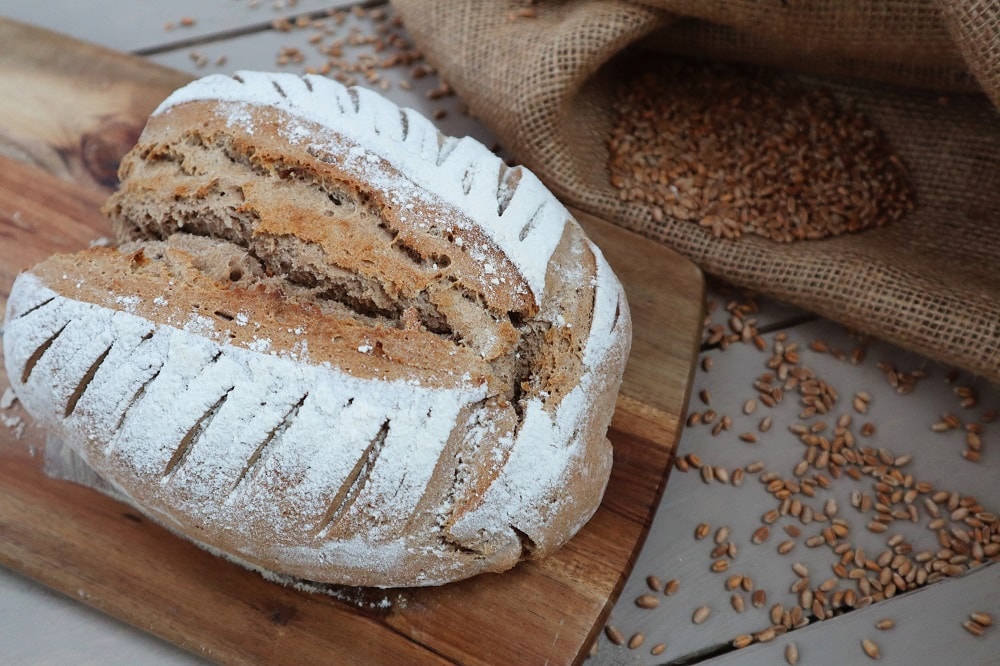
(917, 68)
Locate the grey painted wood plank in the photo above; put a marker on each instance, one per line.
(902, 425)
(928, 630)
(132, 25)
(70, 632)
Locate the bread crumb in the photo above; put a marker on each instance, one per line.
(14, 423)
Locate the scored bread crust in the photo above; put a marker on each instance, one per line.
(334, 344)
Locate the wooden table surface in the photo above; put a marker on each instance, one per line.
(915, 415)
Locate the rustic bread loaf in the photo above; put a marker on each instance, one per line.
(333, 344)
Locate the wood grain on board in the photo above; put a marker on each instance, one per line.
(58, 96)
(72, 108)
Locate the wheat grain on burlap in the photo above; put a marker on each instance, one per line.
(929, 282)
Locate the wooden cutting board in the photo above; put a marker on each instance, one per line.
(68, 111)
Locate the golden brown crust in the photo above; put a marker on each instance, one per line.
(160, 282)
(266, 174)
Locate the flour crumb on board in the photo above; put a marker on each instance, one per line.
(13, 422)
(8, 398)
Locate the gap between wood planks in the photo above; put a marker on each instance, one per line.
(763, 329)
(898, 644)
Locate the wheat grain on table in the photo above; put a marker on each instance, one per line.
(894, 402)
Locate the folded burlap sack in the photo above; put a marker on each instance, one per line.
(903, 245)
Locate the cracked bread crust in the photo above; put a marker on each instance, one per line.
(329, 347)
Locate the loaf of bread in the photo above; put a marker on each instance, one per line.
(330, 343)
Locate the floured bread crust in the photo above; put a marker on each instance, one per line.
(333, 343)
